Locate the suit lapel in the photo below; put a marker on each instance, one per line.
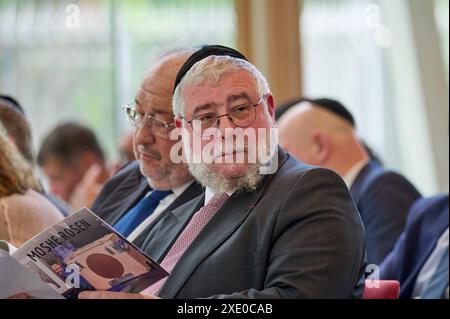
(126, 197)
(194, 190)
(361, 181)
(166, 231)
(431, 230)
(223, 224)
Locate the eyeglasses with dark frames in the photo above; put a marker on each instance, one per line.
(242, 115)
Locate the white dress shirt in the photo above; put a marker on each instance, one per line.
(353, 173)
(209, 194)
(162, 206)
(429, 268)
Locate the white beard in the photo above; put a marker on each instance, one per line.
(249, 181)
(218, 184)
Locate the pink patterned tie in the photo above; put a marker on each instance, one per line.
(190, 232)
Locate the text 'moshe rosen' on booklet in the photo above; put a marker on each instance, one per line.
(82, 252)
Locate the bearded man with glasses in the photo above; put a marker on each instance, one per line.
(293, 232)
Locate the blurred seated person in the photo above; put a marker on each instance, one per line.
(17, 127)
(282, 108)
(23, 211)
(18, 130)
(126, 147)
(321, 132)
(126, 153)
(419, 260)
(73, 161)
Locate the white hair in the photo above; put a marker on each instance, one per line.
(212, 69)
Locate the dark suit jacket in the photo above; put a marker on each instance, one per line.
(299, 235)
(383, 199)
(426, 223)
(125, 189)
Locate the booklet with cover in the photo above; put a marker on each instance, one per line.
(79, 253)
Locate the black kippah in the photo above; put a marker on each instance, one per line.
(12, 102)
(203, 53)
(335, 107)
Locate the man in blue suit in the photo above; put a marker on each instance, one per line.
(419, 260)
(321, 132)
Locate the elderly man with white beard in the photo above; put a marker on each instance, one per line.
(288, 232)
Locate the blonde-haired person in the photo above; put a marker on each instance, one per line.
(24, 212)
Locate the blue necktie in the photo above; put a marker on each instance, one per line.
(435, 288)
(140, 212)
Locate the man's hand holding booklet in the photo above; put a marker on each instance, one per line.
(79, 253)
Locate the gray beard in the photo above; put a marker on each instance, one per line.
(218, 184)
(205, 175)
